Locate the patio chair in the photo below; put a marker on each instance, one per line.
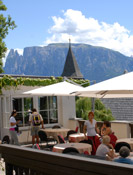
(61, 139)
(89, 141)
(77, 129)
(70, 150)
(120, 144)
(56, 127)
(6, 139)
(44, 139)
(69, 133)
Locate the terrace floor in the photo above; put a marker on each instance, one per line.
(2, 165)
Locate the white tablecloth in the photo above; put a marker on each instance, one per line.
(55, 132)
(76, 137)
(81, 147)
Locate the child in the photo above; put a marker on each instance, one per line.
(124, 153)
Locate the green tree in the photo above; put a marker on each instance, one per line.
(83, 107)
(6, 23)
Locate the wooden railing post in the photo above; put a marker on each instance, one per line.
(131, 126)
(9, 169)
(81, 125)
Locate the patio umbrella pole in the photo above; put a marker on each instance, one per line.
(92, 104)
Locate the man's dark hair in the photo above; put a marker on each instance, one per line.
(107, 123)
(13, 112)
(34, 110)
(124, 151)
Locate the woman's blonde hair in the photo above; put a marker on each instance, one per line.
(106, 139)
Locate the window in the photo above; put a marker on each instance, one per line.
(23, 106)
(48, 109)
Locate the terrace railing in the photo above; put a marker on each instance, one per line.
(27, 161)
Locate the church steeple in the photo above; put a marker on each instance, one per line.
(71, 68)
(69, 42)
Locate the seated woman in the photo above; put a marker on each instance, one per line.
(106, 130)
(90, 126)
(105, 149)
(124, 153)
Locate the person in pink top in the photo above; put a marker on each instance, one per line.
(13, 132)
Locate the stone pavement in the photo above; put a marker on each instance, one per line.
(2, 165)
(2, 172)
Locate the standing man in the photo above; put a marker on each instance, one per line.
(35, 120)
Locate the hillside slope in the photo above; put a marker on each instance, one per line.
(95, 63)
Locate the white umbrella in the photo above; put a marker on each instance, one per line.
(118, 87)
(58, 89)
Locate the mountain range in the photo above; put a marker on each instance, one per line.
(95, 63)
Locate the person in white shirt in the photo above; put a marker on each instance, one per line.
(105, 149)
(90, 131)
(13, 132)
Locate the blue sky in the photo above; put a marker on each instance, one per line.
(106, 23)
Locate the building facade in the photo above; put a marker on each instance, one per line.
(54, 109)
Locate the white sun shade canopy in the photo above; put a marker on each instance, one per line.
(118, 87)
(58, 89)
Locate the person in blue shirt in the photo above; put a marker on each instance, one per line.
(124, 153)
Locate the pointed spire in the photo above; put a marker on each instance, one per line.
(71, 68)
(69, 42)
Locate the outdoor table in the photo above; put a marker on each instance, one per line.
(76, 137)
(81, 147)
(55, 132)
(127, 140)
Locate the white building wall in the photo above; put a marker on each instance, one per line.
(121, 128)
(66, 111)
(6, 106)
(66, 108)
